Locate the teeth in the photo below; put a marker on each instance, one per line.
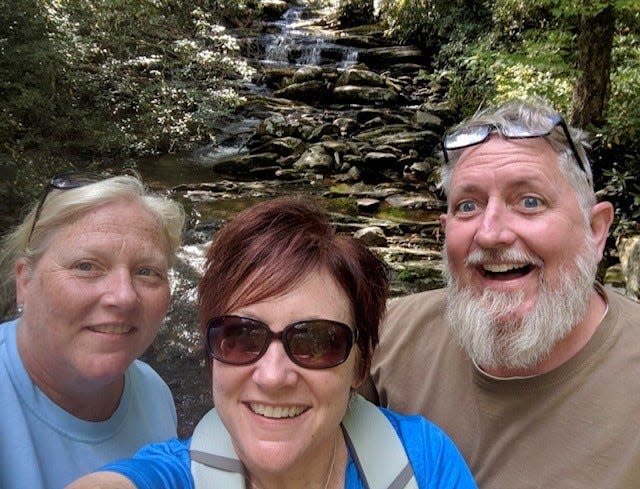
(502, 267)
(277, 411)
(107, 328)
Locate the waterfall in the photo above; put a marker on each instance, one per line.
(349, 58)
(295, 44)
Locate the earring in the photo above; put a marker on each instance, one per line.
(20, 309)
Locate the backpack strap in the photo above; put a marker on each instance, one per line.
(373, 443)
(211, 448)
(376, 448)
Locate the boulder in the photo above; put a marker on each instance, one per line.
(273, 9)
(629, 251)
(361, 77)
(308, 91)
(352, 94)
(371, 236)
(317, 159)
(387, 56)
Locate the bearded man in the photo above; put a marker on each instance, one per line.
(530, 365)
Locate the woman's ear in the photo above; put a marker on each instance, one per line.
(22, 273)
(443, 222)
(361, 372)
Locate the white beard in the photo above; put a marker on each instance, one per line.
(493, 336)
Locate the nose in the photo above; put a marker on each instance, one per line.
(120, 290)
(275, 370)
(495, 229)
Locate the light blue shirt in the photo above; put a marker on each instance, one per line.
(43, 446)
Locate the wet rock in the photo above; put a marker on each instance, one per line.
(422, 141)
(380, 160)
(403, 69)
(352, 94)
(414, 202)
(420, 170)
(362, 41)
(377, 132)
(243, 164)
(316, 158)
(425, 119)
(309, 91)
(322, 131)
(273, 77)
(384, 56)
(353, 175)
(368, 205)
(273, 9)
(361, 77)
(284, 146)
(346, 124)
(307, 73)
(371, 236)
(273, 126)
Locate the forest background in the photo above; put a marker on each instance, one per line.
(94, 84)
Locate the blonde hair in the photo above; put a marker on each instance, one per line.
(62, 207)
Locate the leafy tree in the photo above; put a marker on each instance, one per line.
(87, 83)
(593, 63)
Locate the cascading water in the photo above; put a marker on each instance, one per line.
(295, 44)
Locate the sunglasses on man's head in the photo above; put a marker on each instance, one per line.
(65, 181)
(314, 344)
(477, 134)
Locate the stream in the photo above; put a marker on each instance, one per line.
(335, 115)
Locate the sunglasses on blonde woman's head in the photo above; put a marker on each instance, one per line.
(313, 344)
(477, 134)
(65, 181)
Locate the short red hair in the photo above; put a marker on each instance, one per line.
(266, 249)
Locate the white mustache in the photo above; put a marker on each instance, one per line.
(511, 255)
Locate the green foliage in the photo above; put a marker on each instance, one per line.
(433, 23)
(623, 111)
(118, 66)
(91, 79)
(352, 13)
(528, 49)
(623, 190)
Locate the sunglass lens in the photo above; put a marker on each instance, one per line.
(237, 340)
(75, 180)
(467, 136)
(318, 344)
(515, 131)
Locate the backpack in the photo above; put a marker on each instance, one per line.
(371, 439)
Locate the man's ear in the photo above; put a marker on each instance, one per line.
(601, 219)
(443, 221)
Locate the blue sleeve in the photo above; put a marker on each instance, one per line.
(166, 465)
(436, 461)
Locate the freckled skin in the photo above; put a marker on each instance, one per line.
(298, 445)
(103, 274)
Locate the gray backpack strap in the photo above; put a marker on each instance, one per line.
(373, 442)
(211, 449)
(376, 447)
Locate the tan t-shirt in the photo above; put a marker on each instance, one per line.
(577, 426)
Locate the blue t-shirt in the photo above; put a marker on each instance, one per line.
(42, 446)
(436, 462)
